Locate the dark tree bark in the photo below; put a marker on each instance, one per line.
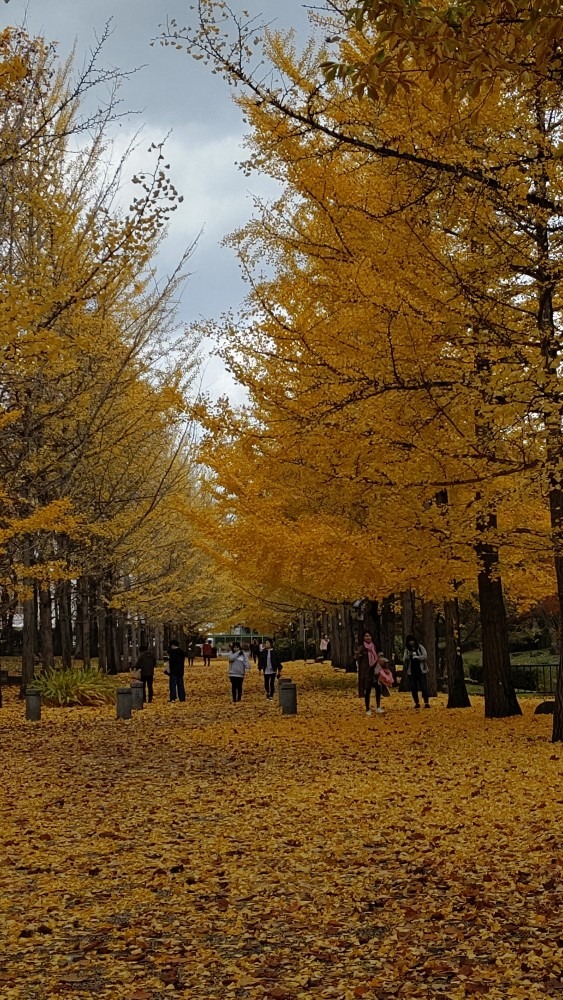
(85, 623)
(102, 627)
(388, 628)
(500, 696)
(29, 622)
(429, 640)
(457, 691)
(46, 627)
(372, 621)
(63, 596)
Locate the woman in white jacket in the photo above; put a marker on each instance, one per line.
(238, 666)
(414, 662)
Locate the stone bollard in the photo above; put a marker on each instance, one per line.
(136, 695)
(32, 705)
(281, 682)
(124, 703)
(288, 699)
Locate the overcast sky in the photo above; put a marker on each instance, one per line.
(175, 94)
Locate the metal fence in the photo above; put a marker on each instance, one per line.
(540, 678)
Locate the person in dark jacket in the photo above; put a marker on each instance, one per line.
(190, 653)
(270, 663)
(176, 662)
(255, 650)
(367, 658)
(146, 664)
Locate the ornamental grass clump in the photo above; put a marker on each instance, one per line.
(75, 686)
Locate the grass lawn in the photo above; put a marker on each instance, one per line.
(215, 851)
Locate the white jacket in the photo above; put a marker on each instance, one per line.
(420, 654)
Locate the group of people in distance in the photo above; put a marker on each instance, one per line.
(373, 669)
(239, 664)
(374, 673)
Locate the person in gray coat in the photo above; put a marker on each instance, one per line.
(238, 666)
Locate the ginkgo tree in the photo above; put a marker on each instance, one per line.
(483, 173)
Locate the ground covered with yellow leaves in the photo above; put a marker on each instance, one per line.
(214, 851)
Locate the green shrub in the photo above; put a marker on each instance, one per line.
(77, 686)
(283, 648)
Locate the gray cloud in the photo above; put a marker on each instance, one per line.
(172, 93)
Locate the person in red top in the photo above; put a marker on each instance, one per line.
(206, 651)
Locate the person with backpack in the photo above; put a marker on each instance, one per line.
(176, 662)
(367, 659)
(239, 665)
(415, 663)
(146, 664)
(270, 663)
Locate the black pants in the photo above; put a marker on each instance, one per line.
(269, 684)
(147, 688)
(177, 683)
(236, 687)
(367, 695)
(418, 682)
(206, 661)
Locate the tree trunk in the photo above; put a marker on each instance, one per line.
(408, 628)
(388, 629)
(135, 642)
(500, 696)
(85, 624)
(102, 628)
(372, 623)
(63, 594)
(29, 623)
(125, 643)
(457, 691)
(429, 640)
(46, 627)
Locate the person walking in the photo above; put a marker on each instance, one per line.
(176, 663)
(367, 659)
(414, 662)
(239, 665)
(255, 650)
(146, 664)
(324, 646)
(270, 663)
(190, 653)
(206, 651)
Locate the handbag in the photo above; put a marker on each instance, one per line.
(136, 675)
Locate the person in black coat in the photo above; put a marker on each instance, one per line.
(145, 665)
(176, 662)
(270, 663)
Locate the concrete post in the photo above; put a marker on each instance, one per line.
(32, 705)
(136, 695)
(281, 682)
(124, 703)
(288, 699)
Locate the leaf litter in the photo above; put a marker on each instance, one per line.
(209, 851)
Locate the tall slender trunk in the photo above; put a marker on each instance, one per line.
(388, 628)
(29, 620)
(124, 628)
(46, 626)
(429, 640)
(408, 622)
(500, 696)
(63, 595)
(457, 691)
(85, 623)
(102, 627)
